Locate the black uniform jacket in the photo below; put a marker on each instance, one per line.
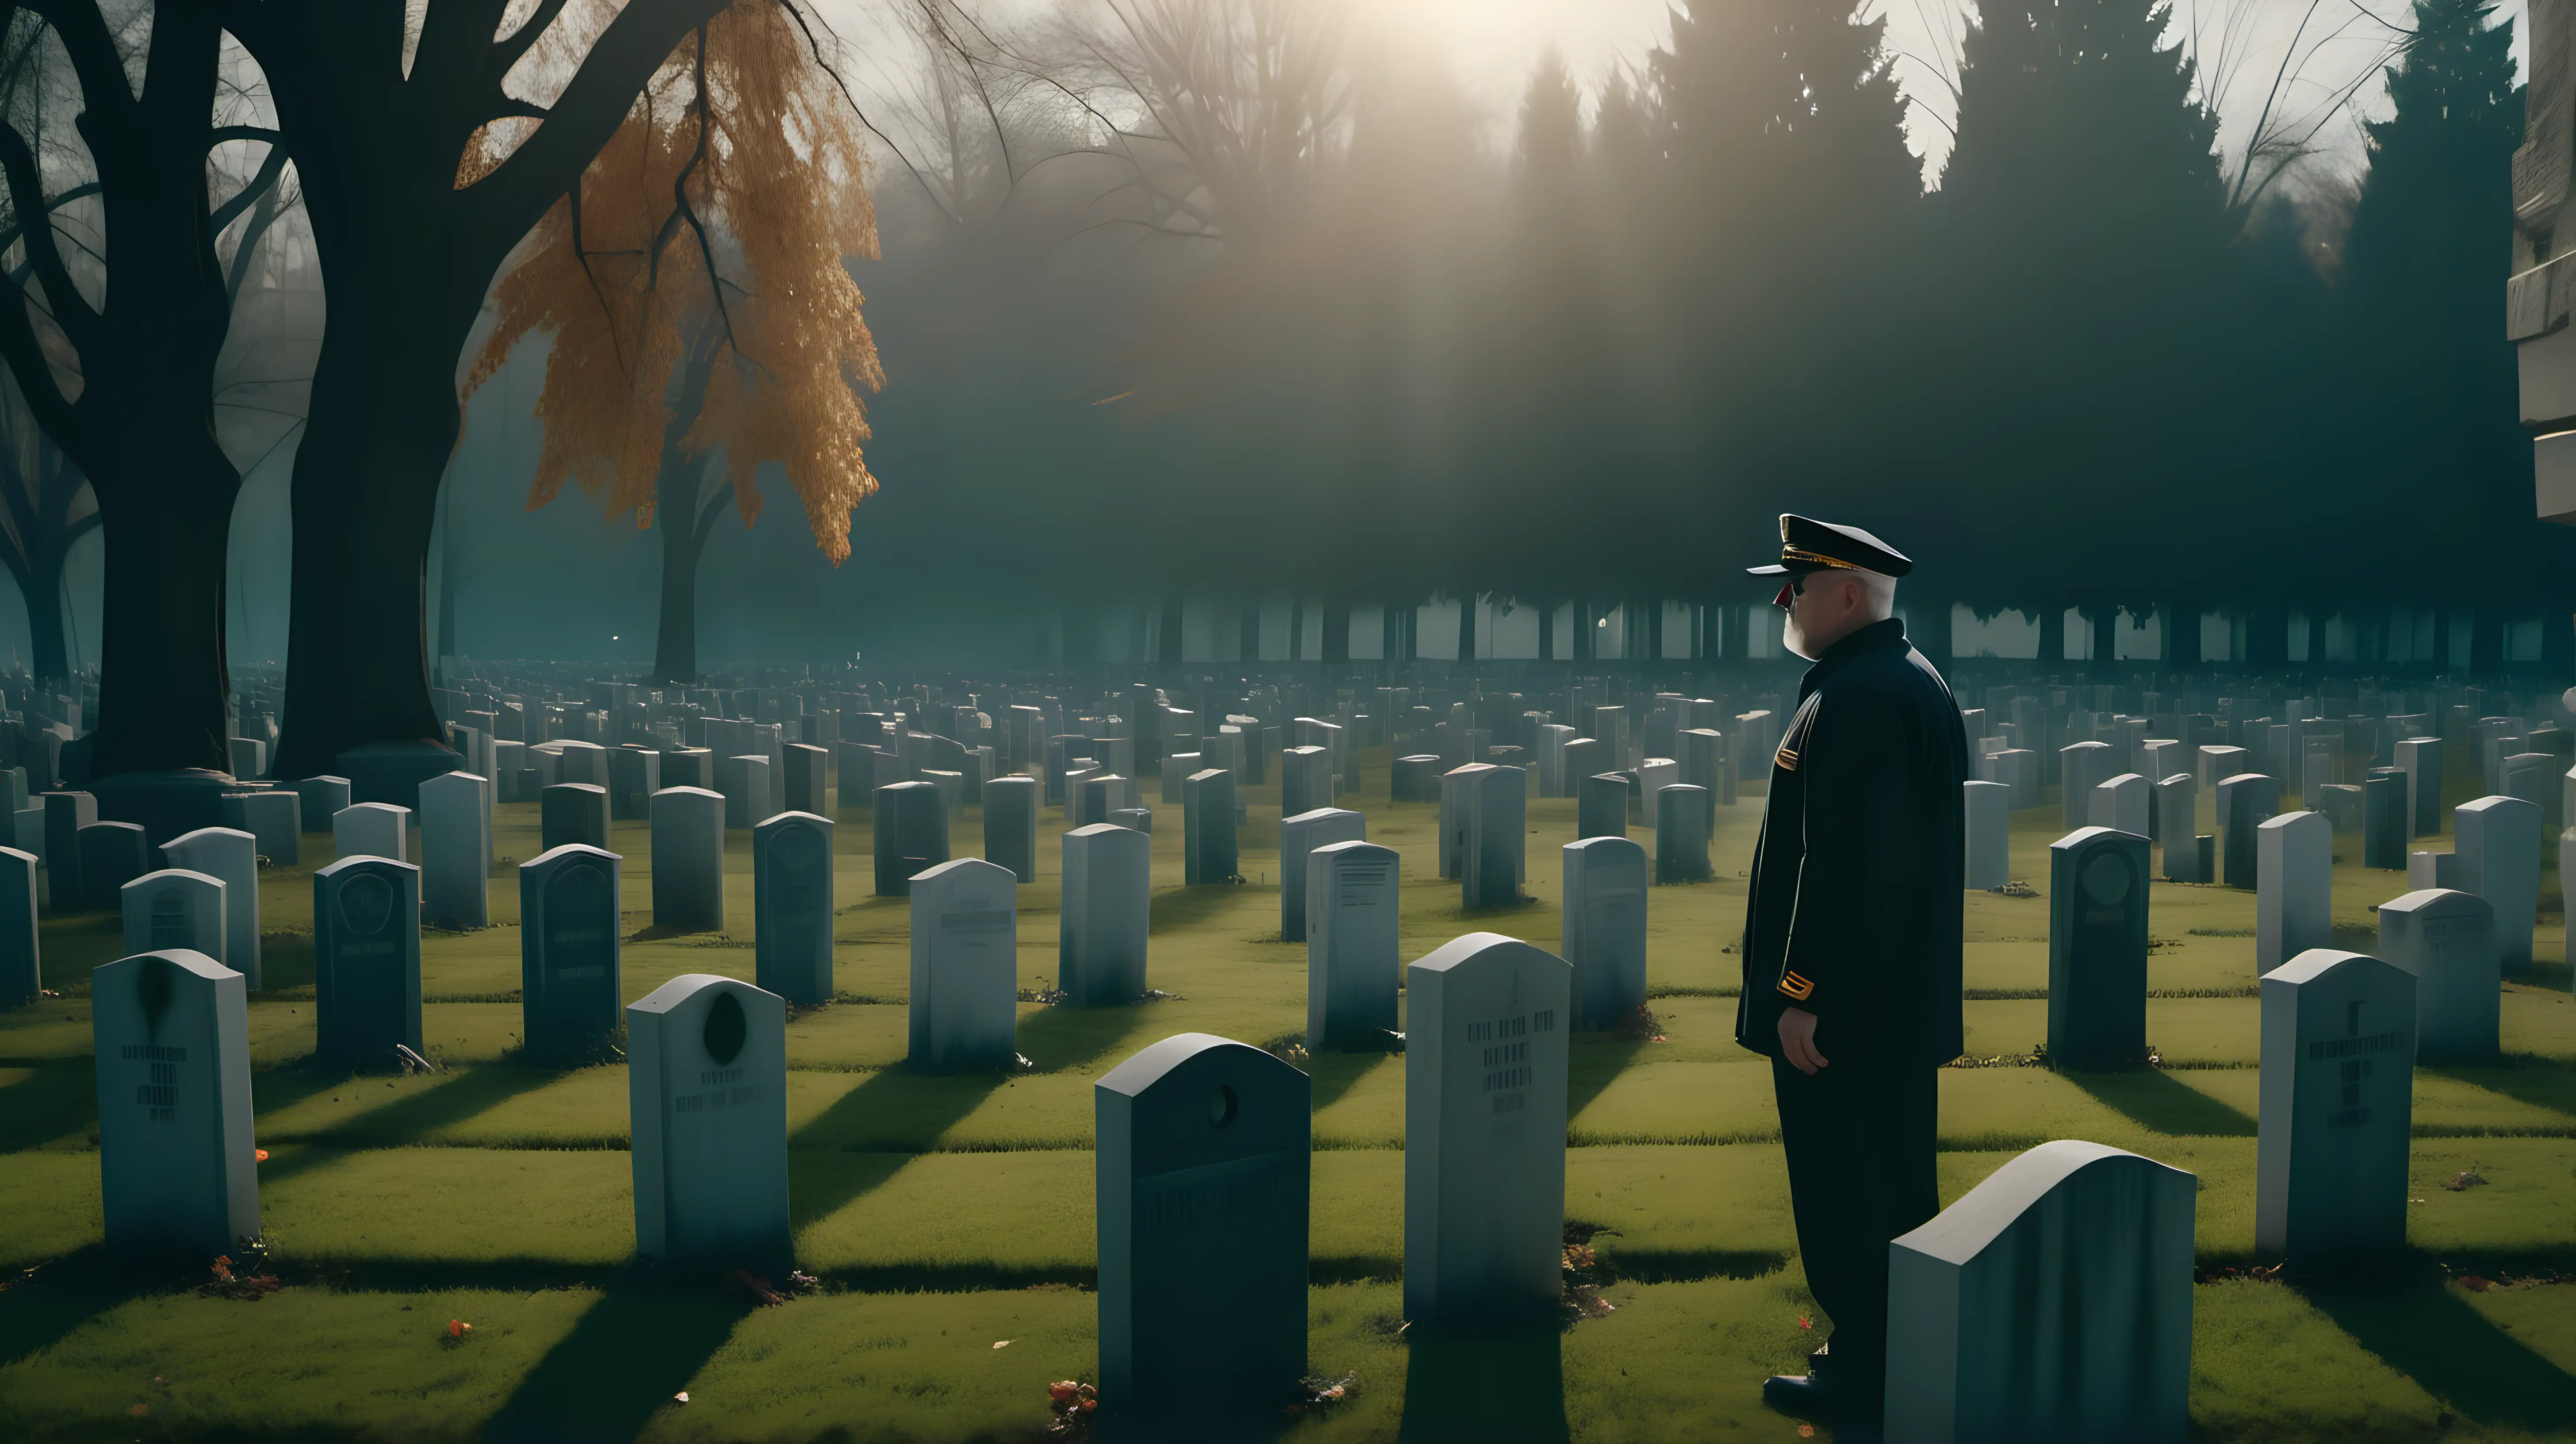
(1859, 876)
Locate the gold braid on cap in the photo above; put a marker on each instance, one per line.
(1801, 554)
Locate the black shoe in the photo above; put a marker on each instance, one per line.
(1803, 1394)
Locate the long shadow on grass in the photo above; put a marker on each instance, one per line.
(2540, 1082)
(642, 1342)
(1332, 1074)
(1486, 1386)
(2430, 1335)
(63, 1295)
(407, 1117)
(1593, 1060)
(2153, 1100)
(53, 1101)
(1182, 907)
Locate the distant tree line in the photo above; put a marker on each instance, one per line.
(1277, 322)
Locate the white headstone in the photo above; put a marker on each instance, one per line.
(1484, 1130)
(456, 851)
(2121, 803)
(688, 859)
(965, 967)
(2447, 940)
(231, 857)
(175, 909)
(1989, 827)
(1352, 952)
(366, 960)
(178, 1169)
(791, 873)
(1298, 836)
(1605, 929)
(1201, 1188)
(707, 1100)
(744, 781)
(2337, 1107)
(2052, 1301)
(1108, 887)
(2293, 888)
(372, 829)
(2499, 850)
(569, 951)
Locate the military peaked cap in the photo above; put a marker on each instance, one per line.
(1808, 545)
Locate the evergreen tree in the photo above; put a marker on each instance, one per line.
(1785, 114)
(2079, 135)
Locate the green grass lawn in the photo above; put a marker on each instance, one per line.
(951, 1218)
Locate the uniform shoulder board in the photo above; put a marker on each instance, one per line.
(1797, 987)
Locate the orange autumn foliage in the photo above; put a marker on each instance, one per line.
(752, 132)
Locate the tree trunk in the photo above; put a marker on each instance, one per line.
(1337, 637)
(2106, 634)
(1168, 645)
(2052, 639)
(1651, 633)
(1586, 646)
(1467, 630)
(675, 645)
(1248, 640)
(1546, 630)
(2182, 637)
(162, 679)
(1928, 628)
(383, 421)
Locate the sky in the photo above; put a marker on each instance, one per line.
(1491, 46)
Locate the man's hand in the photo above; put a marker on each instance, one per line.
(1798, 1040)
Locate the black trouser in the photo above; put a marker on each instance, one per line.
(1859, 1137)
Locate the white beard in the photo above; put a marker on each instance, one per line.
(1794, 639)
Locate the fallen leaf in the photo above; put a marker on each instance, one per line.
(2475, 1285)
(1806, 1431)
(259, 1155)
(1001, 1343)
(681, 1397)
(138, 1409)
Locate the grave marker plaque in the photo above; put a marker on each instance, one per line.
(366, 960)
(2337, 1107)
(177, 1166)
(2052, 1301)
(707, 1100)
(2097, 949)
(791, 876)
(965, 966)
(1484, 1131)
(569, 950)
(372, 829)
(1202, 1187)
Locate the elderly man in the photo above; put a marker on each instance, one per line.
(1851, 941)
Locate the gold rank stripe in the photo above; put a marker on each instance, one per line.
(1796, 987)
(1801, 554)
(1786, 758)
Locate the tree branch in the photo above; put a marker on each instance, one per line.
(248, 246)
(262, 182)
(217, 135)
(504, 204)
(27, 193)
(86, 39)
(506, 51)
